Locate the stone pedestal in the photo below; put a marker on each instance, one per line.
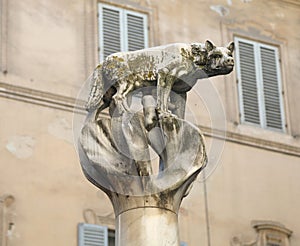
(147, 226)
(115, 157)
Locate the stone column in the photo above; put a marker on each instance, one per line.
(147, 226)
(114, 154)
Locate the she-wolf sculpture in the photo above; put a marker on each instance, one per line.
(175, 67)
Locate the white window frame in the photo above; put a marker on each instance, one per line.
(259, 83)
(123, 27)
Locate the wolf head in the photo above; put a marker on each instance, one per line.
(211, 59)
(219, 60)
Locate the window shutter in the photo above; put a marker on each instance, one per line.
(272, 96)
(248, 83)
(92, 235)
(258, 73)
(110, 31)
(121, 30)
(136, 31)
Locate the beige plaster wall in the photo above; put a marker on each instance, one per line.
(251, 185)
(39, 167)
(51, 48)
(45, 45)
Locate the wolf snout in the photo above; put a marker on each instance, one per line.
(229, 61)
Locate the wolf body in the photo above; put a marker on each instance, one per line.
(175, 67)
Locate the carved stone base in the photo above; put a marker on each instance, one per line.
(115, 157)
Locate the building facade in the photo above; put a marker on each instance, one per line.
(249, 193)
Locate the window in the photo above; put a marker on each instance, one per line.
(90, 234)
(111, 238)
(121, 30)
(269, 233)
(260, 89)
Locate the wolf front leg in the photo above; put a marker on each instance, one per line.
(165, 82)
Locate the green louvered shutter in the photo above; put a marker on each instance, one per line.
(248, 83)
(272, 89)
(260, 90)
(110, 27)
(92, 235)
(136, 31)
(120, 30)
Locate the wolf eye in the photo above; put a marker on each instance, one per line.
(217, 55)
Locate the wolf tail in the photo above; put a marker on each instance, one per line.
(96, 92)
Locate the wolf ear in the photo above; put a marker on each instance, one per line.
(230, 47)
(209, 45)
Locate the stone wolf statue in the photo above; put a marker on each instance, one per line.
(174, 67)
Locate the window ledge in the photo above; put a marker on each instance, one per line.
(257, 137)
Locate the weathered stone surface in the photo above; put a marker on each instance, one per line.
(175, 67)
(115, 151)
(145, 225)
(115, 157)
(115, 154)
